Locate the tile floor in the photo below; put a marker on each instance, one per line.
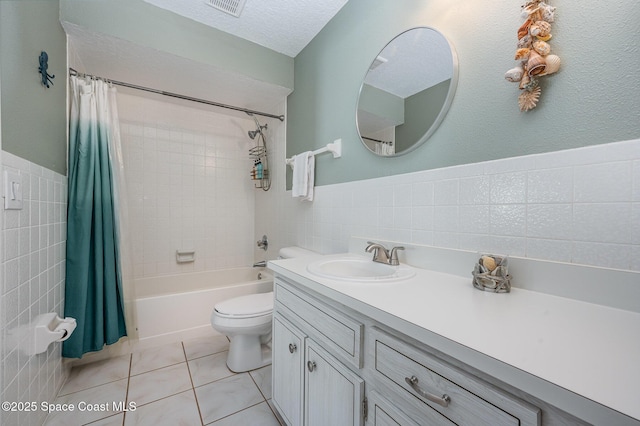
(186, 383)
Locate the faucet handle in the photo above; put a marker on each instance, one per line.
(393, 258)
(380, 253)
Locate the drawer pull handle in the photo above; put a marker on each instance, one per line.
(443, 400)
(311, 365)
(292, 347)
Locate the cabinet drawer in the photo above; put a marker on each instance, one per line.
(384, 413)
(338, 332)
(427, 381)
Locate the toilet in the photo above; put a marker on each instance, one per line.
(246, 321)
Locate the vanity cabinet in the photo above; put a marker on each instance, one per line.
(324, 354)
(427, 388)
(311, 344)
(384, 413)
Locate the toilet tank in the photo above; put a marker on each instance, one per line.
(291, 252)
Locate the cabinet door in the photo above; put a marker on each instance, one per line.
(334, 394)
(287, 365)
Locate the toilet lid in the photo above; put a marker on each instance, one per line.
(247, 306)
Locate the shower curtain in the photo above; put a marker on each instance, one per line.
(94, 287)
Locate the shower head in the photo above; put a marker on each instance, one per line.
(258, 131)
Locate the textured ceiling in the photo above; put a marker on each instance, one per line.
(285, 26)
(416, 59)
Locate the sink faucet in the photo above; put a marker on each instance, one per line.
(382, 255)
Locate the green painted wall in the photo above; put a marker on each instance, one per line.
(422, 109)
(151, 26)
(381, 103)
(33, 117)
(593, 99)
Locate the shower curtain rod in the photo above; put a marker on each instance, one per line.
(176, 95)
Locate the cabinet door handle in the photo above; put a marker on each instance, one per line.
(311, 365)
(292, 347)
(443, 400)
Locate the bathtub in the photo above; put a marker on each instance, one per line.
(175, 307)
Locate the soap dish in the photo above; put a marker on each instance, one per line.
(491, 274)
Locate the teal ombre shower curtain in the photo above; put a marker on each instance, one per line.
(93, 288)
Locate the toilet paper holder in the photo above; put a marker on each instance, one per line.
(49, 328)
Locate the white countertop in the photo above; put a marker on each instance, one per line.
(589, 349)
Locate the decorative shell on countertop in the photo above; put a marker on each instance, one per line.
(514, 75)
(488, 262)
(528, 99)
(491, 273)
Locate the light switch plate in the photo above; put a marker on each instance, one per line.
(12, 190)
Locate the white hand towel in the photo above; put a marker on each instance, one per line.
(303, 171)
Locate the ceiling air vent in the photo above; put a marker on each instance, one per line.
(232, 7)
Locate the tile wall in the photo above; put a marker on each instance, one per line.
(188, 184)
(579, 206)
(33, 265)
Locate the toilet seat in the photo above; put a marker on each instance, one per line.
(250, 306)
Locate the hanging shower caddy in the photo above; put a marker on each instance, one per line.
(259, 172)
(258, 154)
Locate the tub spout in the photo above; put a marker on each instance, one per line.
(261, 264)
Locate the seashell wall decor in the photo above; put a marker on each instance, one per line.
(534, 52)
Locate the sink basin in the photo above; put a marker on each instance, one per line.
(359, 269)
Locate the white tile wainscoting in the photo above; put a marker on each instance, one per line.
(578, 206)
(33, 265)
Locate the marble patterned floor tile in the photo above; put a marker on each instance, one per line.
(154, 358)
(262, 377)
(176, 410)
(161, 383)
(227, 396)
(258, 415)
(104, 395)
(209, 369)
(203, 346)
(96, 373)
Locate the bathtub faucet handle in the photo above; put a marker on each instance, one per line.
(263, 243)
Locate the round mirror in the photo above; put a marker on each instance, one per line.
(407, 92)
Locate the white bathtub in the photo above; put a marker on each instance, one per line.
(174, 307)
